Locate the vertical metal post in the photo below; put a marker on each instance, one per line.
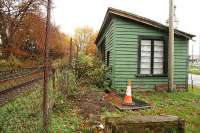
(171, 46)
(46, 67)
(199, 48)
(192, 66)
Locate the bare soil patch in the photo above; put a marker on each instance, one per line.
(91, 102)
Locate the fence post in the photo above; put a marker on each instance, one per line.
(67, 81)
(54, 78)
(46, 67)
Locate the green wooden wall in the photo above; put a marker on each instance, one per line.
(122, 41)
(108, 37)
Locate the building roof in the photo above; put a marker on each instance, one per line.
(139, 19)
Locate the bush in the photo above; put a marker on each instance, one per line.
(89, 69)
(59, 62)
(10, 63)
(71, 85)
(66, 80)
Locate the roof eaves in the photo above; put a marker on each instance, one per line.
(140, 19)
(103, 26)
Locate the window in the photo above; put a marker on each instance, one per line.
(108, 58)
(151, 57)
(102, 51)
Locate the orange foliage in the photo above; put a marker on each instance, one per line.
(33, 27)
(91, 49)
(91, 46)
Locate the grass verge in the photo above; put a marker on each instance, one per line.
(23, 114)
(64, 117)
(195, 71)
(182, 104)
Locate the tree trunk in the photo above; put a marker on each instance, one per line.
(6, 49)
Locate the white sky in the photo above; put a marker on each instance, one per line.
(69, 14)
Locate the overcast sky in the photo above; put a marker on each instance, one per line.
(69, 14)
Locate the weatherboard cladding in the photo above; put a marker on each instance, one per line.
(126, 55)
(108, 36)
(121, 39)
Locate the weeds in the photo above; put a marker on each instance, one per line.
(23, 114)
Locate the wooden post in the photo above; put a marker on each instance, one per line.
(54, 79)
(70, 53)
(46, 67)
(171, 46)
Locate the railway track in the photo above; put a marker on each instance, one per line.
(13, 74)
(11, 93)
(24, 83)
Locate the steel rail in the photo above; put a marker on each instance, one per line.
(11, 93)
(19, 75)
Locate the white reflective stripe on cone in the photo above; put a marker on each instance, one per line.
(128, 91)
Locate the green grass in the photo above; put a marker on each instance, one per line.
(195, 71)
(23, 114)
(64, 117)
(183, 104)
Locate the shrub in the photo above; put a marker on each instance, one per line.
(71, 83)
(59, 62)
(10, 63)
(89, 69)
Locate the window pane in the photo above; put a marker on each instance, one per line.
(158, 71)
(145, 59)
(108, 58)
(158, 57)
(158, 65)
(145, 71)
(145, 54)
(146, 42)
(158, 43)
(158, 54)
(158, 48)
(145, 66)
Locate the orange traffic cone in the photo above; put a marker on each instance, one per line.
(128, 97)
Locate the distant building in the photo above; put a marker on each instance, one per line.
(195, 59)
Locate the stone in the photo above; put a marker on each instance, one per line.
(145, 124)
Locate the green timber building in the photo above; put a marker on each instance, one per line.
(136, 49)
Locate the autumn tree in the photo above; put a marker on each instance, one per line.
(59, 43)
(29, 40)
(91, 46)
(83, 37)
(12, 13)
(30, 32)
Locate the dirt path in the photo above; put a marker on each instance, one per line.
(91, 102)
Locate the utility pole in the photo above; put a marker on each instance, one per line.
(171, 47)
(46, 67)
